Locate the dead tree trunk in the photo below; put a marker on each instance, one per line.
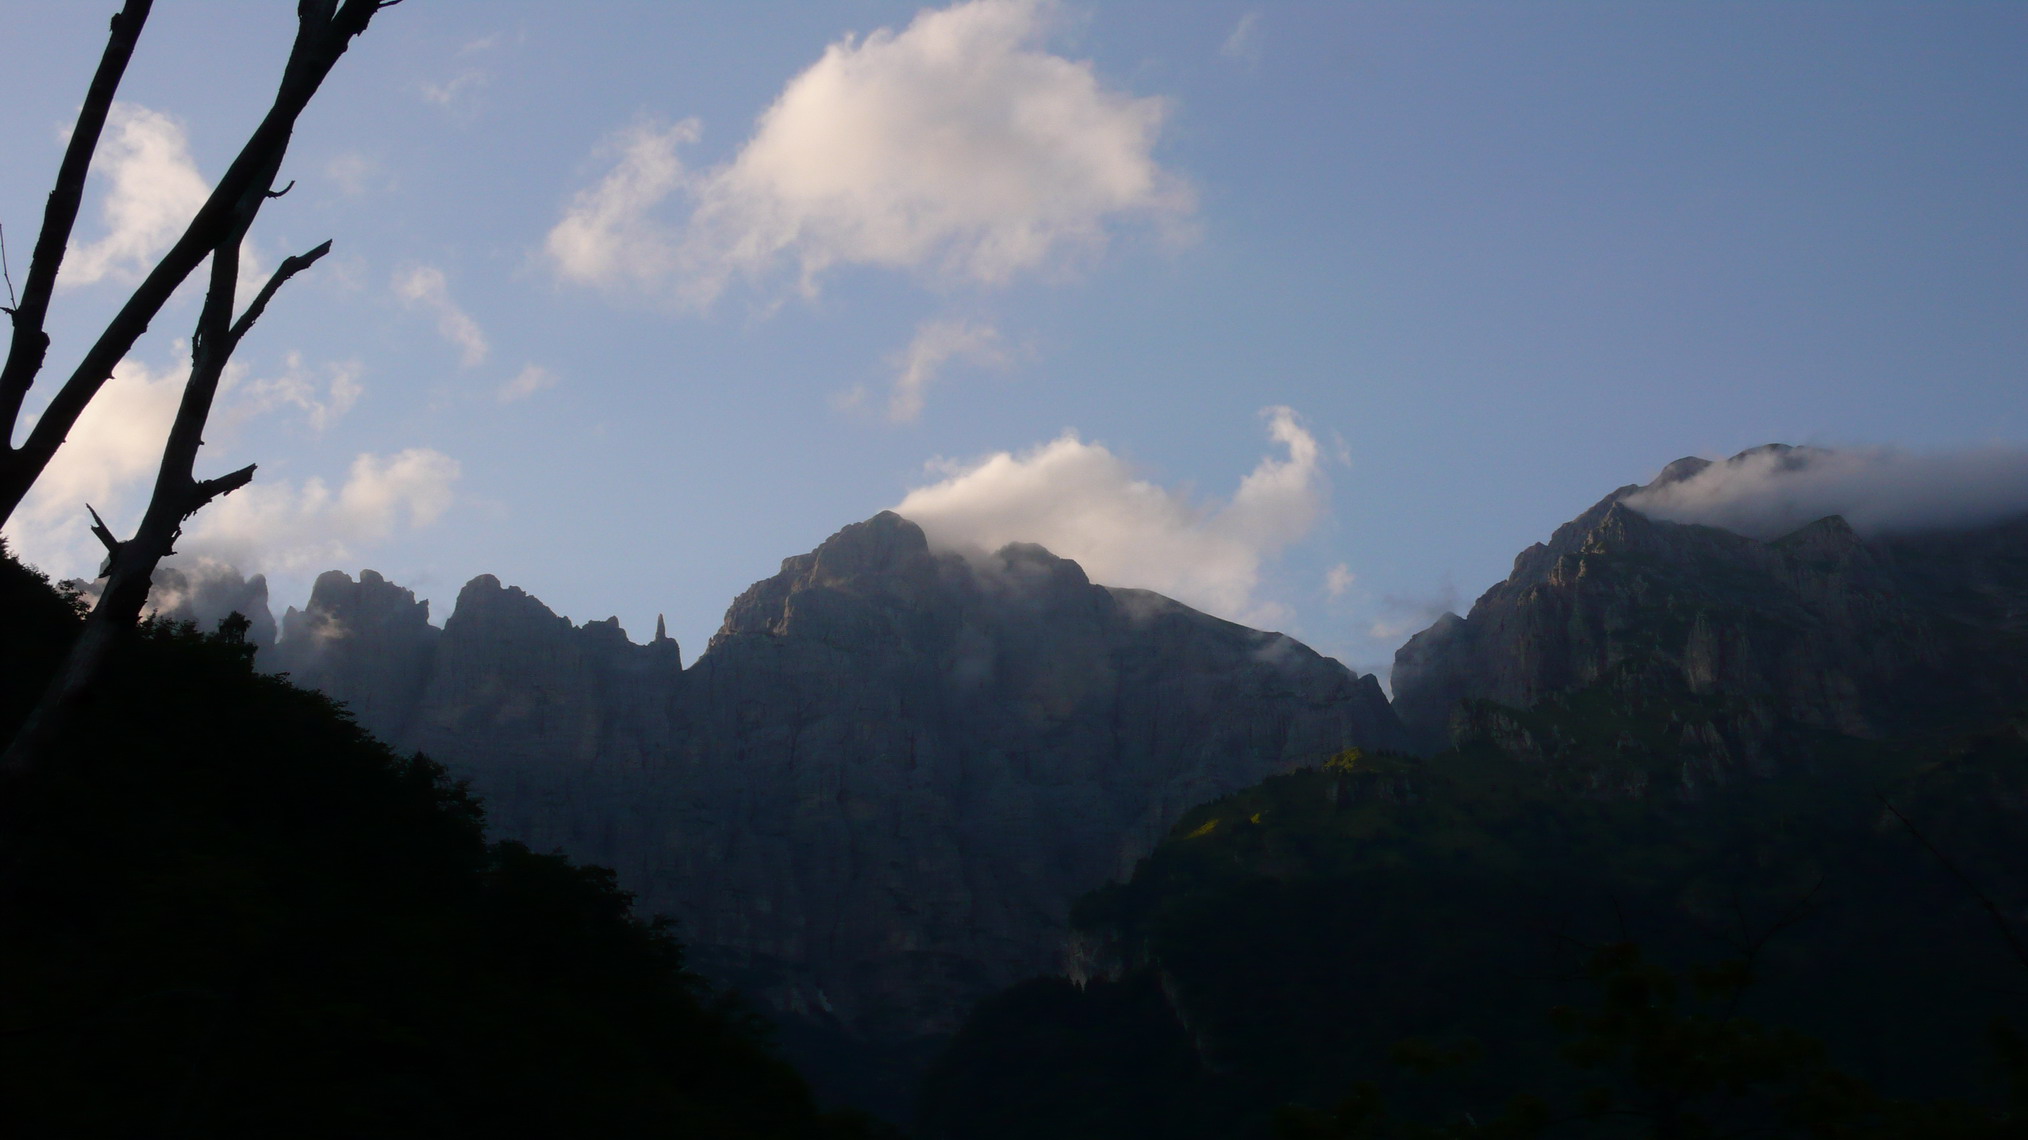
(325, 28)
(130, 565)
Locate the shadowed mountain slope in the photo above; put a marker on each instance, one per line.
(1819, 629)
(875, 795)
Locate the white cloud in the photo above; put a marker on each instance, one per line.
(451, 90)
(283, 526)
(112, 454)
(109, 460)
(153, 190)
(609, 235)
(458, 93)
(1244, 42)
(958, 146)
(1085, 503)
(425, 287)
(1338, 579)
(353, 172)
(1769, 491)
(936, 344)
(322, 403)
(526, 383)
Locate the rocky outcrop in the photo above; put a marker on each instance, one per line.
(202, 592)
(1819, 629)
(367, 643)
(874, 796)
(931, 757)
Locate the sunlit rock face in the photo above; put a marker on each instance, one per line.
(874, 796)
(1818, 629)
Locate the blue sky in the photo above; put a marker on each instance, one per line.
(1311, 314)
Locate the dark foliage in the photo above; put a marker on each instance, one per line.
(1409, 923)
(227, 911)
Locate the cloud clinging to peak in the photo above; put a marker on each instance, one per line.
(959, 146)
(1768, 492)
(1087, 504)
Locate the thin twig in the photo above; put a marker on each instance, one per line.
(12, 303)
(2000, 922)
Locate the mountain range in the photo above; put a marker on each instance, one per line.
(874, 798)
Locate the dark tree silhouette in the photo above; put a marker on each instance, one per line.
(325, 29)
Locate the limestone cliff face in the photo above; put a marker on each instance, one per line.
(875, 795)
(932, 757)
(542, 713)
(367, 643)
(1819, 629)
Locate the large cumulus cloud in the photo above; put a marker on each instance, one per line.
(959, 146)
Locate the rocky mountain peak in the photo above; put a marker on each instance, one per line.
(1681, 469)
(368, 643)
(1819, 628)
(885, 545)
(485, 602)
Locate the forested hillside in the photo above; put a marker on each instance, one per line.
(1418, 924)
(227, 911)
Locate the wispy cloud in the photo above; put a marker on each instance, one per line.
(1339, 579)
(459, 92)
(527, 382)
(936, 345)
(424, 287)
(353, 172)
(1402, 615)
(1244, 42)
(1085, 503)
(322, 400)
(959, 146)
(454, 89)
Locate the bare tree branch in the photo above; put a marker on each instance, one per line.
(1992, 908)
(31, 344)
(12, 301)
(324, 30)
(289, 268)
(203, 492)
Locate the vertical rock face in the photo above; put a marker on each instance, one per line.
(368, 643)
(1818, 629)
(550, 720)
(930, 758)
(874, 796)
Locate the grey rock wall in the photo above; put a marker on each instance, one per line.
(874, 796)
(1819, 629)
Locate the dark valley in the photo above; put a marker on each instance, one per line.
(1000, 851)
